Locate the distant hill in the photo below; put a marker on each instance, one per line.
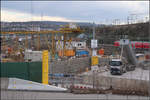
(47, 23)
(109, 34)
(54, 25)
(138, 31)
(104, 33)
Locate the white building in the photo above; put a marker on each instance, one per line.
(71, 45)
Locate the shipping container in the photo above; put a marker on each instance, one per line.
(60, 53)
(69, 53)
(101, 52)
(82, 53)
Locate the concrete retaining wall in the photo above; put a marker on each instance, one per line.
(4, 83)
(76, 65)
(116, 82)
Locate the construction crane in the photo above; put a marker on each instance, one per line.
(64, 31)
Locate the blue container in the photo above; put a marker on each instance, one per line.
(81, 53)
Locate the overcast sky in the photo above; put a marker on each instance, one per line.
(84, 11)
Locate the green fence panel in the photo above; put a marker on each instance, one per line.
(23, 70)
(3, 70)
(14, 69)
(35, 71)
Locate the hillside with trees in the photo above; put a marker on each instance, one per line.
(109, 34)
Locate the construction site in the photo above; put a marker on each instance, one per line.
(62, 64)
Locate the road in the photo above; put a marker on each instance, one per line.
(138, 74)
(33, 95)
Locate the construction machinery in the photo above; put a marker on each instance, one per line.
(127, 63)
(118, 65)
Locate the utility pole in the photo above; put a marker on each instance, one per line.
(134, 17)
(116, 21)
(93, 31)
(128, 20)
(94, 58)
(146, 19)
